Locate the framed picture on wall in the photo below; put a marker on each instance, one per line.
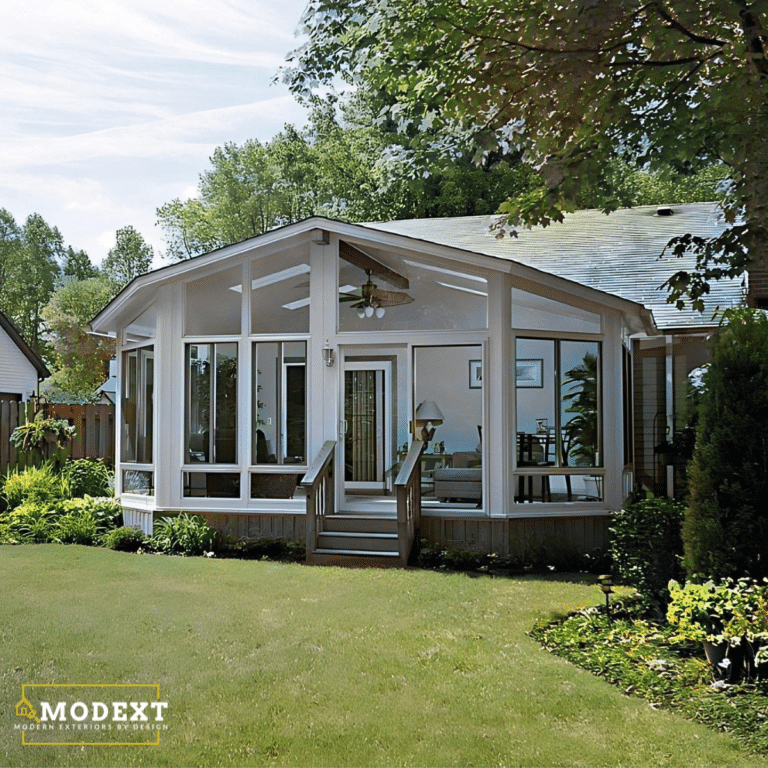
(475, 374)
(529, 373)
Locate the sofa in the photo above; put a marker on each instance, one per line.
(453, 483)
(464, 480)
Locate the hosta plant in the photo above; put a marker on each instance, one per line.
(183, 535)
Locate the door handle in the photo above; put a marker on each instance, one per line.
(343, 424)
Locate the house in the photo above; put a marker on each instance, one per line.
(359, 385)
(108, 390)
(21, 368)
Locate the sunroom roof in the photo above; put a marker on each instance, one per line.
(618, 254)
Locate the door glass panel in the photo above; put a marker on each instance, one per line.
(365, 429)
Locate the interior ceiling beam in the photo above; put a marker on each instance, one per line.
(365, 262)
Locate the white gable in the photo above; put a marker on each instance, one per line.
(17, 374)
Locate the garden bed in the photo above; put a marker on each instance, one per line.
(639, 657)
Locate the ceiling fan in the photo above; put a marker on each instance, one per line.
(369, 300)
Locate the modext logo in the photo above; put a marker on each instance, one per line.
(89, 715)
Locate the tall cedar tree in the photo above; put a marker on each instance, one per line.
(726, 526)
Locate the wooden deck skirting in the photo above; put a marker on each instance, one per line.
(517, 536)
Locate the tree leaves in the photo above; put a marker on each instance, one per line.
(653, 84)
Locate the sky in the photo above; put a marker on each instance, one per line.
(111, 108)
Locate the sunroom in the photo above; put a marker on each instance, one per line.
(359, 389)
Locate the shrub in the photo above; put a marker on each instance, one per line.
(125, 539)
(647, 546)
(733, 614)
(78, 528)
(88, 477)
(286, 550)
(84, 521)
(38, 484)
(107, 512)
(726, 531)
(35, 435)
(31, 522)
(183, 534)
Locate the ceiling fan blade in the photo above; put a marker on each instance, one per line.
(390, 298)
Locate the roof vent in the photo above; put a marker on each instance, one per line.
(664, 210)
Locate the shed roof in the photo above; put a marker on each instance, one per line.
(618, 253)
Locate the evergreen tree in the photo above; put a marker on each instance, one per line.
(726, 526)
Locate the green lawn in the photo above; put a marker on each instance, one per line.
(271, 664)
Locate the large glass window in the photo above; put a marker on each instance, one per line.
(448, 414)
(280, 293)
(558, 386)
(137, 405)
(211, 403)
(213, 304)
(538, 313)
(279, 403)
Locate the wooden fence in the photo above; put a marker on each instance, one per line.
(95, 436)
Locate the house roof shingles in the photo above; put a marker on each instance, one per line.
(617, 254)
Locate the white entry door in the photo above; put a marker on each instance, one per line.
(366, 426)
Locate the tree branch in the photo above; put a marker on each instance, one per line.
(673, 23)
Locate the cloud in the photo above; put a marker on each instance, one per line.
(179, 135)
(112, 107)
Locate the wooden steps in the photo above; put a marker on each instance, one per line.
(357, 541)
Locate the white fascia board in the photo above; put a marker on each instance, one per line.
(115, 311)
(361, 235)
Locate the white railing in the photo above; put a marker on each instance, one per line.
(408, 490)
(321, 494)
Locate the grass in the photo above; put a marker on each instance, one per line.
(275, 664)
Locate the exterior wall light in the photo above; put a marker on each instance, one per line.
(328, 356)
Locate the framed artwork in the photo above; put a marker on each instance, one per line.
(475, 374)
(529, 373)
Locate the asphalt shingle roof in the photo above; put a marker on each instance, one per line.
(618, 254)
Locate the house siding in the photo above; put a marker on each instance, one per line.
(17, 374)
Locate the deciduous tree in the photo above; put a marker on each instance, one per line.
(33, 253)
(80, 361)
(573, 85)
(130, 257)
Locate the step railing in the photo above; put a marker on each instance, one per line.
(321, 493)
(408, 491)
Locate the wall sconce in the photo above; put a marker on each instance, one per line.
(428, 417)
(329, 356)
